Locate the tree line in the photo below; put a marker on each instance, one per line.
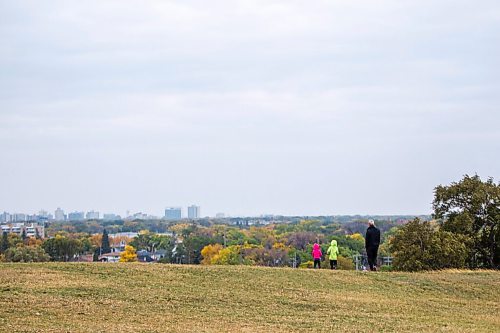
(464, 233)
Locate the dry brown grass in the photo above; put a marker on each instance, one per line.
(166, 298)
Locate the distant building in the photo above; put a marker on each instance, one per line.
(92, 215)
(76, 216)
(34, 230)
(59, 215)
(194, 212)
(13, 228)
(220, 215)
(31, 229)
(43, 215)
(144, 256)
(173, 213)
(124, 235)
(19, 218)
(110, 257)
(140, 216)
(5, 217)
(31, 218)
(111, 217)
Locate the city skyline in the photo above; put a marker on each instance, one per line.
(60, 214)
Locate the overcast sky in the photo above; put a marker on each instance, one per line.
(246, 107)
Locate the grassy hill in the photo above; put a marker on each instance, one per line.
(165, 298)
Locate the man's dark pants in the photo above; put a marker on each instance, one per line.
(372, 252)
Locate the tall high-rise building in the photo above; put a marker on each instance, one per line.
(59, 215)
(92, 215)
(173, 213)
(194, 212)
(43, 215)
(76, 216)
(19, 217)
(5, 217)
(111, 217)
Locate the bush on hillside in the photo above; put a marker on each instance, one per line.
(344, 263)
(421, 246)
(25, 254)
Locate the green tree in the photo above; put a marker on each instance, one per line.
(4, 245)
(421, 246)
(177, 255)
(193, 245)
(471, 207)
(106, 247)
(62, 248)
(143, 241)
(26, 254)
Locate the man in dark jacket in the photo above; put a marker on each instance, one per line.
(372, 241)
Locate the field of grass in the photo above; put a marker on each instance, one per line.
(98, 297)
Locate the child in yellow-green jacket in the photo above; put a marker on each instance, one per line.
(332, 253)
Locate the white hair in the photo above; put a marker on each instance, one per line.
(371, 222)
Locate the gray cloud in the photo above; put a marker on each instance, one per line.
(245, 107)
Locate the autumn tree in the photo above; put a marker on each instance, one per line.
(62, 248)
(149, 241)
(129, 255)
(228, 256)
(14, 239)
(96, 240)
(32, 241)
(301, 239)
(422, 246)
(209, 252)
(261, 256)
(26, 254)
(471, 207)
(193, 245)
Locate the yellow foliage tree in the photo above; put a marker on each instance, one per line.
(228, 256)
(279, 245)
(209, 252)
(129, 255)
(357, 236)
(177, 228)
(96, 240)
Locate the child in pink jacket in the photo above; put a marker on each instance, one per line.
(317, 254)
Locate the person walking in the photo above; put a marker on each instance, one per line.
(317, 254)
(332, 252)
(372, 242)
